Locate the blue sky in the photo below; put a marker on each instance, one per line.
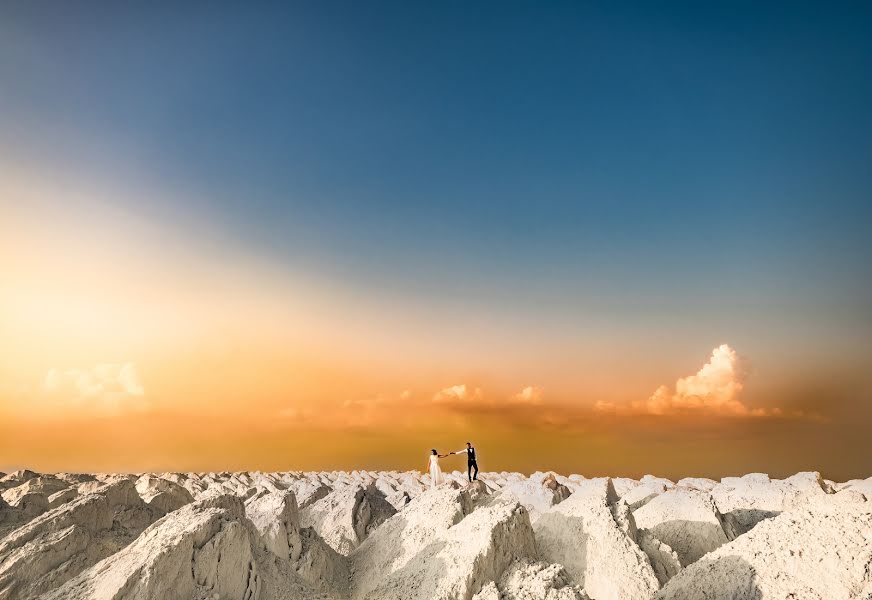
(582, 155)
(275, 212)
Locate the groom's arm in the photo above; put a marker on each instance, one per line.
(460, 451)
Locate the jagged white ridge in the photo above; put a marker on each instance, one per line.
(365, 535)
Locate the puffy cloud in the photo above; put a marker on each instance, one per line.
(713, 390)
(458, 394)
(531, 395)
(106, 389)
(461, 404)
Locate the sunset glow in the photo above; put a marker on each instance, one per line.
(258, 259)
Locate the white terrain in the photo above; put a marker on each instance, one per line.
(386, 535)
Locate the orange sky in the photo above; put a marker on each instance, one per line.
(130, 345)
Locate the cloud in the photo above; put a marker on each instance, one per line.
(530, 395)
(527, 408)
(459, 394)
(713, 390)
(105, 389)
(294, 413)
(460, 404)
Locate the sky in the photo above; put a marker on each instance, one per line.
(603, 238)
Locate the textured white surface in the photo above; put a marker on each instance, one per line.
(365, 535)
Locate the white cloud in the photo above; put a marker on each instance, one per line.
(105, 389)
(713, 390)
(531, 395)
(457, 394)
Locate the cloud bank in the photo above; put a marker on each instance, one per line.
(714, 390)
(459, 394)
(105, 389)
(530, 395)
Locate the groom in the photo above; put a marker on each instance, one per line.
(470, 461)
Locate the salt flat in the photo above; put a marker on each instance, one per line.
(389, 535)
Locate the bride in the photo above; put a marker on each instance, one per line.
(435, 471)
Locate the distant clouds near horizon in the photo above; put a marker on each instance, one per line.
(624, 235)
(116, 389)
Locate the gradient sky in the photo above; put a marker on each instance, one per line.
(335, 235)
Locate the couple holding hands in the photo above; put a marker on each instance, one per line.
(436, 472)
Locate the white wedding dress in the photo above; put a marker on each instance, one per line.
(435, 471)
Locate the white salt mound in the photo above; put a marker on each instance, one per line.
(823, 553)
(202, 547)
(464, 558)
(320, 566)
(162, 494)
(537, 495)
(41, 485)
(686, 520)
(346, 516)
(277, 522)
(662, 557)
(748, 500)
(402, 537)
(61, 543)
(639, 495)
(582, 534)
(697, 483)
(527, 580)
(308, 492)
(622, 485)
(863, 486)
(16, 478)
(366, 535)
